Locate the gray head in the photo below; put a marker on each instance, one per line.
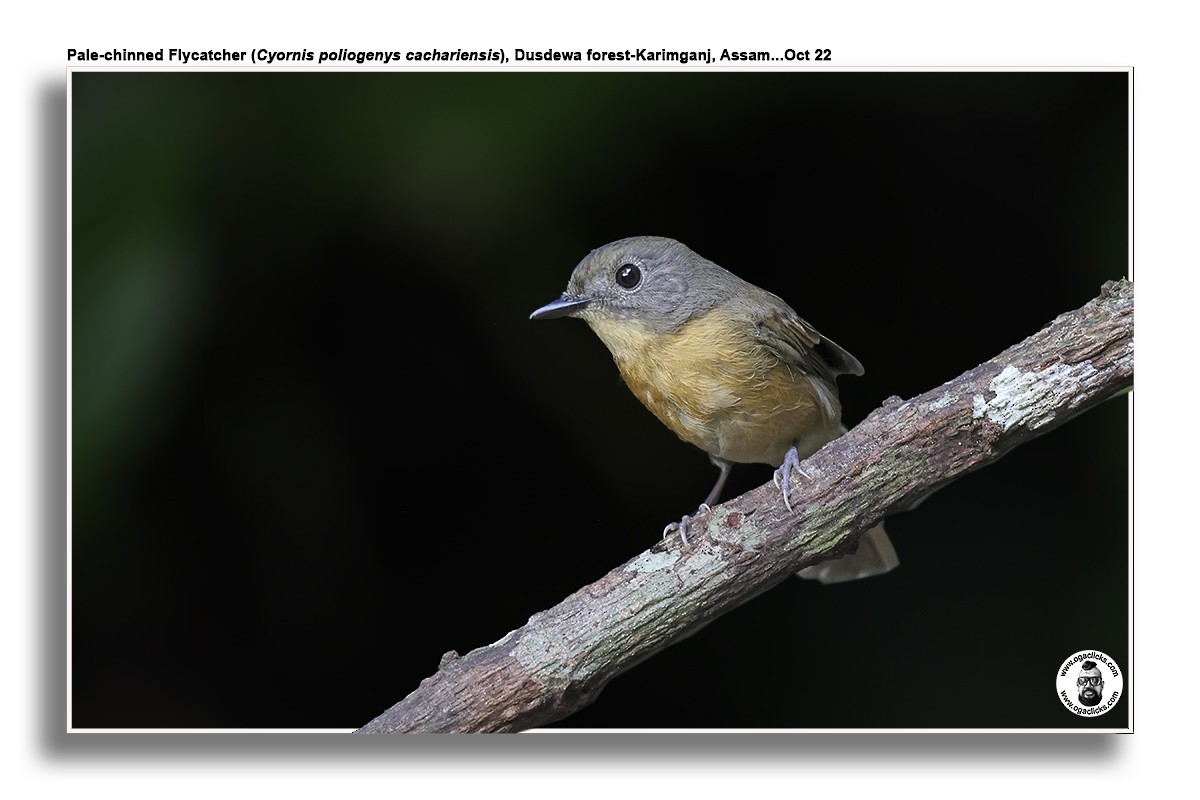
(659, 281)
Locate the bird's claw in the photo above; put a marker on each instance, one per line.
(682, 525)
(783, 475)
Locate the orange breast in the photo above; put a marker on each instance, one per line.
(716, 386)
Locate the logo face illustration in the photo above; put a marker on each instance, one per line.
(1089, 683)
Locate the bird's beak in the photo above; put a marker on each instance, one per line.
(564, 306)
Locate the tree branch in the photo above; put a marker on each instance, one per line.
(903, 451)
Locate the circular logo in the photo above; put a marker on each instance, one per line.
(1089, 683)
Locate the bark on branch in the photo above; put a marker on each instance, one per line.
(559, 661)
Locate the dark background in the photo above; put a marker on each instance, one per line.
(317, 443)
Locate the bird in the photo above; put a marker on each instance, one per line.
(725, 365)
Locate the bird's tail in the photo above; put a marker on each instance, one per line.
(874, 556)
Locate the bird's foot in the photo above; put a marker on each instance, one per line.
(783, 475)
(682, 525)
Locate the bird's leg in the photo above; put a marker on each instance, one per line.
(725, 467)
(783, 475)
(682, 525)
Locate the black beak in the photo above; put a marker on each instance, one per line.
(564, 306)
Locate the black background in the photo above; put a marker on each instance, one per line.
(316, 442)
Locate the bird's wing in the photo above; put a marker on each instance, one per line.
(799, 344)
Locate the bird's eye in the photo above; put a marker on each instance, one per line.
(628, 275)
